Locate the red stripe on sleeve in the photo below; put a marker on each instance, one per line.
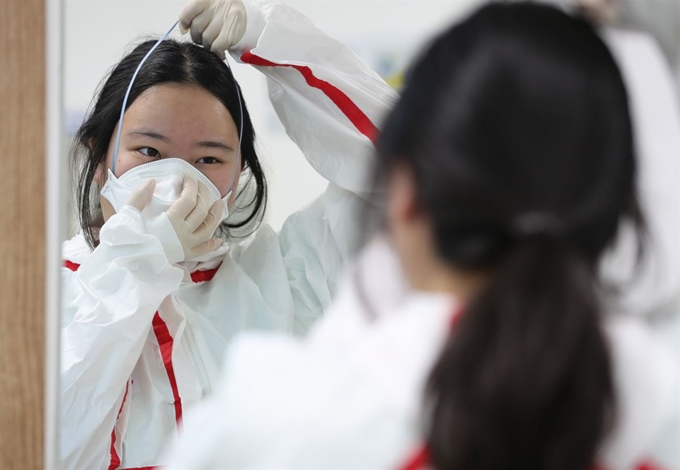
(166, 343)
(71, 265)
(115, 458)
(203, 276)
(356, 116)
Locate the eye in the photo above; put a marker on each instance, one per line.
(209, 160)
(149, 152)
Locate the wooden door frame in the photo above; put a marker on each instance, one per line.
(31, 182)
(22, 232)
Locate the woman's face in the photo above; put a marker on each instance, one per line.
(179, 121)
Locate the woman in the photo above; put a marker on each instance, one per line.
(151, 296)
(509, 167)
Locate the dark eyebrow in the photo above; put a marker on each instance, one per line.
(150, 134)
(212, 144)
(207, 144)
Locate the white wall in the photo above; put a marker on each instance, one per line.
(98, 32)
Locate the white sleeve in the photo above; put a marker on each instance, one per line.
(330, 103)
(115, 294)
(316, 244)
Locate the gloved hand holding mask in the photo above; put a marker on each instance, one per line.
(216, 24)
(181, 206)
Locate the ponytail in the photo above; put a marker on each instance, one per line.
(524, 382)
(514, 129)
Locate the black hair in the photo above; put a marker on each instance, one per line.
(516, 127)
(172, 62)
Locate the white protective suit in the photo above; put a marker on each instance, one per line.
(349, 396)
(143, 340)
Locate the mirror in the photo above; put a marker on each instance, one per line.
(148, 306)
(144, 319)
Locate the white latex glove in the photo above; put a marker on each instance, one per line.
(191, 218)
(216, 24)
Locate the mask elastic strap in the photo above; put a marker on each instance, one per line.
(240, 135)
(127, 95)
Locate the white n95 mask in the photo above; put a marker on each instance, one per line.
(169, 175)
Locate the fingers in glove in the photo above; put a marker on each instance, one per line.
(220, 44)
(201, 210)
(210, 221)
(211, 32)
(199, 24)
(142, 196)
(233, 30)
(183, 206)
(205, 247)
(190, 12)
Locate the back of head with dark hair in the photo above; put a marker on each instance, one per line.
(516, 128)
(172, 62)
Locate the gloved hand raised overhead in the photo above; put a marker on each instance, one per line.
(216, 24)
